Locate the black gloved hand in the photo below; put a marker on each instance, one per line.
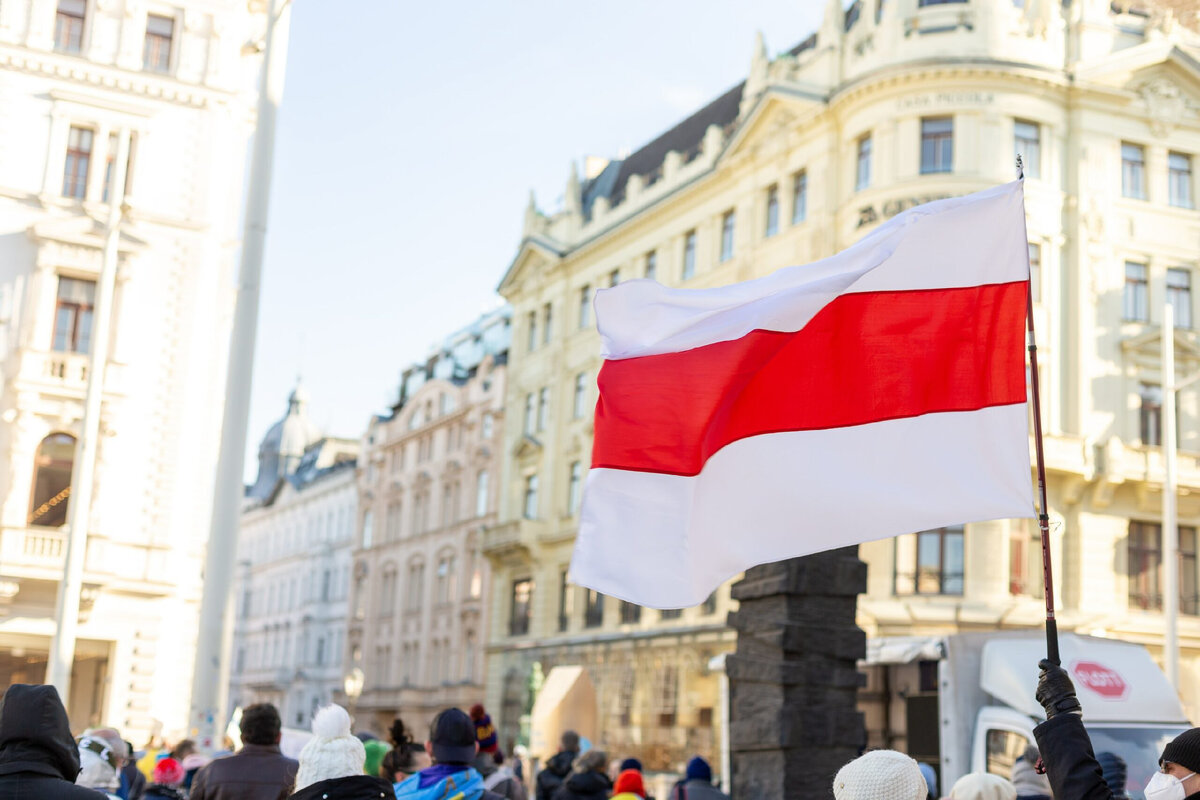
(1055, 691)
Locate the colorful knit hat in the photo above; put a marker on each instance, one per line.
(169, 772)
(485, 731)
(630, 781)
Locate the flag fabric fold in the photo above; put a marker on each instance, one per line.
(877, 392)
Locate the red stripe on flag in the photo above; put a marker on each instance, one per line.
(863, 358)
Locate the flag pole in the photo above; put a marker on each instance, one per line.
(1043, 515)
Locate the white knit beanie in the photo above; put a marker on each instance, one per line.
(880, 775)
(982, 786)
(332, 752)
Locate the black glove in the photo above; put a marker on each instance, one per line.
(1055, 691)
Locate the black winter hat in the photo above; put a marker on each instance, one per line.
(1184, 750)
(452, 734)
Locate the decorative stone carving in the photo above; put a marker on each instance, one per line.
(1165, 103)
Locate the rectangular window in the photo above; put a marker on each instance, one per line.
(579, 403)
(1136, 298)
(1179, 295)
(79, 160)
(799, 197)
(481, 493)
(1133, 171)
(1179, 179)
(1150, 414)
(863, 172)
(670, 613)
(614, 278)
(156, 54)
(1145, 567)
(631, 613)
(689, 254)
(585, 306)
(1027, 142)
(543, 407)
(574, 488)
(564, 601)
(73, 315)
(930, 562)
(530, 411)
(530, 505)
(521, 609)
(772, 211)
(652, 265)
(593, 609)
(547, 318)
(68, 25)
(937, 144)
(531, 341)
(1035, 271)
(727, 221)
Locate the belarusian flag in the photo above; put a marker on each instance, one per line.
(877, 392)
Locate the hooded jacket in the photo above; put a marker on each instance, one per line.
(356, 787)
(556, 771)
(590, 785)
(39, 759)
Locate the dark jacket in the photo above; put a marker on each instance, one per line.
(556, 771)
(256, 772)
(158, 792)
(133, 782)
(697, 789)
(1071, 765)
(39, 759)
(358, 787)
(589, 785)
(509, 788)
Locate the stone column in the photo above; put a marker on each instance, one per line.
(794, 679)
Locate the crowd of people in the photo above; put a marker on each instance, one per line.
(460, 760)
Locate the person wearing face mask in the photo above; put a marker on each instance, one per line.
(1072, 767)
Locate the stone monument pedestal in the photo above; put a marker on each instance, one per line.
(793, 679)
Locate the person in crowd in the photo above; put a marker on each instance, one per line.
(101, 756)
(588, 780)
(133, 782)
(1074, 772)
(558, 767)
(168, 781)
(182, 750)
(1113, 767)
(697, 783)
(489, 762)
(982, 786)
(520, 757)
(634, 764)
(880, 775)
(405, 758)
(192, 764)
(150, 757)
(629, 785)
(331, 763)
(376, 750)
(931, 781)
(38, 756)
(256, 772)
(452, 745)
(1030, 785)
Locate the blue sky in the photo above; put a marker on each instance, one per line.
(410, 136)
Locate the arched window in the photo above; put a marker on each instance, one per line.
(52, 480)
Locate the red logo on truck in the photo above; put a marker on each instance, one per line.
(1100, 679)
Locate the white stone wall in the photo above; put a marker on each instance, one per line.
(164, 382)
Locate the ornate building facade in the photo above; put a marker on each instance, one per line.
(294, 569)
(76, 78)
(428, 489)
(889, 104)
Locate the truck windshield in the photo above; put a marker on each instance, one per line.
(1140, 747)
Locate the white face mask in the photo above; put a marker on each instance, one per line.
(1166, 787)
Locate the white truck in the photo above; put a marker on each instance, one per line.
(965, 702)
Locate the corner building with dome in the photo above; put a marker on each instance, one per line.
(889, 104)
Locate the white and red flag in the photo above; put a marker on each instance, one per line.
(877, 392)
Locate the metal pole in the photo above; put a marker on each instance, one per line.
(1170, 524)
(211, 677)
(66, 612)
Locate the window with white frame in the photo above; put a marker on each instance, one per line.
(579, 402)
(156, 54)
(1150, 414)
(547, 317)
(531, 332)
(530, 504)
(862, 174)
(1179, 179)
(799, 196)
(574, 487)
(585, 306)
(1136, 300)
(689, 254)
(68, 26)
(727, 223)
(1179, 295)
(1133, 171)
(1027, 142)
(80, 141)
(772, 221)
(652, 265)
(481, 493)
(937, 144)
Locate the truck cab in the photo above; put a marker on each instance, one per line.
(965, 702)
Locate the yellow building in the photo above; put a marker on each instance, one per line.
(888, 105)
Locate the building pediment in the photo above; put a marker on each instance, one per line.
(774, 119)
(1145, 349)
(1163, 79)
(535, 253)
(81, 231)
